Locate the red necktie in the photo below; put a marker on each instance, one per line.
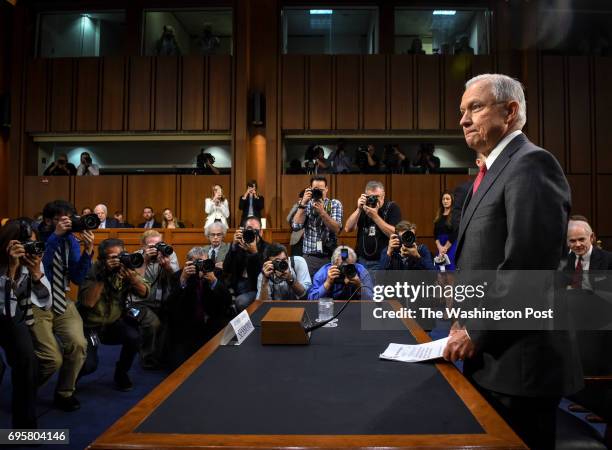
(479, 177)
(577, 278)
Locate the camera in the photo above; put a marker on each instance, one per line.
(347, 271)
(204, 159)
(164, 248)
(34, 247)
(86, 222)
(372, 201)
(408, 238)
(280, 265)
(88, 160)
(317, 194)
(131, 260)
(442, 260)
(204, 265)
(249, 235)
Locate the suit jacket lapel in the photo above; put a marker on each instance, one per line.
(473, 200)
(595, 262)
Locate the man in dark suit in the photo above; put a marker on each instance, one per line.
(149, 216)
(514, 218)
(105, 222)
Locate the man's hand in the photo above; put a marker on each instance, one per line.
(459, 345)
(267, 269)
(238, 237)
(129, 275)
(32, 263)
(318, 206)
(355, 281)
(64, 225)
(286, 275)
(332, 273)
(87, 237)
(307, 196)
(371, 212)
(165, 263)
(188, 271)
(210, 277)
(394, 244)
(150, 254)
(112, 263)
(410, 252)
(361, 201)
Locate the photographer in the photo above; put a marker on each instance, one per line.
(244, 262)
(205, 164)
(87, 167)
(339, 160)
(282, 278)
(426, 160)
(342, 278)
(60, 167)
(403, 253)
(64, 264)
(367, 159)
(315, 162)
(321, 219)
(251, 203)
(393, 159)
(103, 300)
(22, 284)
(160, 263)
(375, 219)
(198, 306)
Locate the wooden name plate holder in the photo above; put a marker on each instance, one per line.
(285, 326)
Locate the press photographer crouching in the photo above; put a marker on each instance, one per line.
(282, 278)
(342, 278)
(244, 261)
(104, 306)
(403, 252)
(160, 263)
(198, 307)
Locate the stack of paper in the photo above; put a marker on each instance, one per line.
(415, 353)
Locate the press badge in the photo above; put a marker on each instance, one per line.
(372, 231)
(319, 247)
(158, 294)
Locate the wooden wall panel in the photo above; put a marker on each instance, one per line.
(87, 90)
(139, 104)
(112, 93)
(157, 191)
(604, 213)
(579, 111)
(401, 93)
(291, 185)
(193, 92)
(61, 94)
(603, 112)
(293, 92)
(194, 190)
(481, 64)
(452, 181)
(219, 92)
(553, 107)
(348, 78)
(166, 93)
(320, 92)
(374, 92)
(37, 191)
(418, 197)
(428, 92)
(107, 189)
(456, 69)
(36, 95)
(581, 195)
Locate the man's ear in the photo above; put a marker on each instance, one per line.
(512, 111)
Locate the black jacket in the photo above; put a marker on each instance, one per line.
(238, 259)
(156, 224)
(258, 206)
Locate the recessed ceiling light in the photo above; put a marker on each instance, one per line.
(444, 12)
(321, 11)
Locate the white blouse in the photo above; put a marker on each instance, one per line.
(216, 212)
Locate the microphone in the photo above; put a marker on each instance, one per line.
(325, 322)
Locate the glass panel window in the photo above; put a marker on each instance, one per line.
(188, 32)
(80, 34)
(330, 30)
(442, 31)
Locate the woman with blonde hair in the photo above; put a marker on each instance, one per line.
(216, 207)
(169, 221)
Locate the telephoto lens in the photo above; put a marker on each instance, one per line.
(408, 238)
(317, 194)
(34, 247)
(280, 265)
(86, 222)
(249, 235)
(164, 248)
(204, 265)
(131, 260)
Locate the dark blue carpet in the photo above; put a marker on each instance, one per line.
(101, 403)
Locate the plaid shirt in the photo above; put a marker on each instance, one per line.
(315, 229)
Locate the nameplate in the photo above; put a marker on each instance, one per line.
(238, 329)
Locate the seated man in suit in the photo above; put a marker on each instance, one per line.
(217, 249)
(105, 222)
(583, 255)
(149, 216)
(121, 221)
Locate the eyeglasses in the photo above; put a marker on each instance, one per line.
(215, 235)
(476, 107)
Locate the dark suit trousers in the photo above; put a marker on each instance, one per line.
(532, 418)
(16, 341)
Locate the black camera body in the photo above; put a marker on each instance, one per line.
(88, 160)
(372, 201)
(164, 248)
(131, 260)
(204, 265)
(34, 248)
(280, 265)
(408, 238)
(86, 222)
(249, 235)
(317, 194)
(347, 271)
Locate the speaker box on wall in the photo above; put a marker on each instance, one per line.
(5, 111)
(257, 109)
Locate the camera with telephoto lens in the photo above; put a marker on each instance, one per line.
(131, 260)
(317, 194)
(34, 247)
(408, 238)
(347, 271)
(164, 248)
(86, 222)
(280, 265)
(204, 265)
(372, 201)
(249, 235)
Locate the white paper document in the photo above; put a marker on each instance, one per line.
(415, 353)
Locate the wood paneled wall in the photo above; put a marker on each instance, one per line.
(137, 93)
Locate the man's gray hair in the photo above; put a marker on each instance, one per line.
(580, 224)
(352, 256)
(196, 253)
(104, 208)
(505, 89)
(208, 229)
(374, 185)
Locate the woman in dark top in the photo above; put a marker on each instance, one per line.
(251, 203)
(445, 235)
